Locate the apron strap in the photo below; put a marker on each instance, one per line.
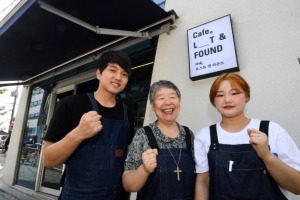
(188, 140)
(125, 111)
(93, 101)
(152, 141)
(264, 126)
(214, 142)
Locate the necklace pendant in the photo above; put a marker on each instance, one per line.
(177, 168)
(178, 171)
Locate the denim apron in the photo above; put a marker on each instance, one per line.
(94, 170)
(237, 172)
(163, 184)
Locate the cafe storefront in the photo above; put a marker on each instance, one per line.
(264, 49)
(70, 70)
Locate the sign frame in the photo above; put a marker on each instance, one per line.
(204, 35)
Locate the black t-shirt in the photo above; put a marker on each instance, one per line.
(69, 111)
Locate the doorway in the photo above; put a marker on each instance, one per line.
(50, 179)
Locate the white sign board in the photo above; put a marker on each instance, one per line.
(212, 49)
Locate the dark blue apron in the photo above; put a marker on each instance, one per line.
(94, 170)
(246, 178)
(163, 184)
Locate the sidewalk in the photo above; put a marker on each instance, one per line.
(10, 193)
(17, 192)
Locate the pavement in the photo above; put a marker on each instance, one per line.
(17, 192)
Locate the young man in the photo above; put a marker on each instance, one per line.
(90, 134)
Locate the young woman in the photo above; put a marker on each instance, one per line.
(240, 157)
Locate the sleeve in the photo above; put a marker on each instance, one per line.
(287, 150)
(200, 152)
(138, 146)
(60, 124)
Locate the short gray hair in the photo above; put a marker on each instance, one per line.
(162, 84)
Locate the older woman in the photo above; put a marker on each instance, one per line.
(160, 162)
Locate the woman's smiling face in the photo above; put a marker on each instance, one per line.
(166, 105)
(229, 101)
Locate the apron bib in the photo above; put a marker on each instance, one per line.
(163, 183)
(237, 172)
(94, 170)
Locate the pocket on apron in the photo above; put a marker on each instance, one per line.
(241, 182)
(106, 157)
(70, 193)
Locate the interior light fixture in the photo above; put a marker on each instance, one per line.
(150, 63)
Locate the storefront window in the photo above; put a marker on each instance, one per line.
(51, 177)
(161, 3)
(136, 93)
(32, 138)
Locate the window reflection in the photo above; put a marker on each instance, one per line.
(51, 177)
(161, 3)
(32, 138)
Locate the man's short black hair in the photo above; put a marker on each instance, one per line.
(114, 56)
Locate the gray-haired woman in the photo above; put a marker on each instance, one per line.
(160, 163)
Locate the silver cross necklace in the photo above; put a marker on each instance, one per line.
(177, 170)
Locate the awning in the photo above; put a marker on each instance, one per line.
(39, 40)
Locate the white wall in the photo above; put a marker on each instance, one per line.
(268, 47)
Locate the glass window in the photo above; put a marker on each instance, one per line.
(158, 1)
(32, 140)
(51, 177)
(161, 3)
(33, 130)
